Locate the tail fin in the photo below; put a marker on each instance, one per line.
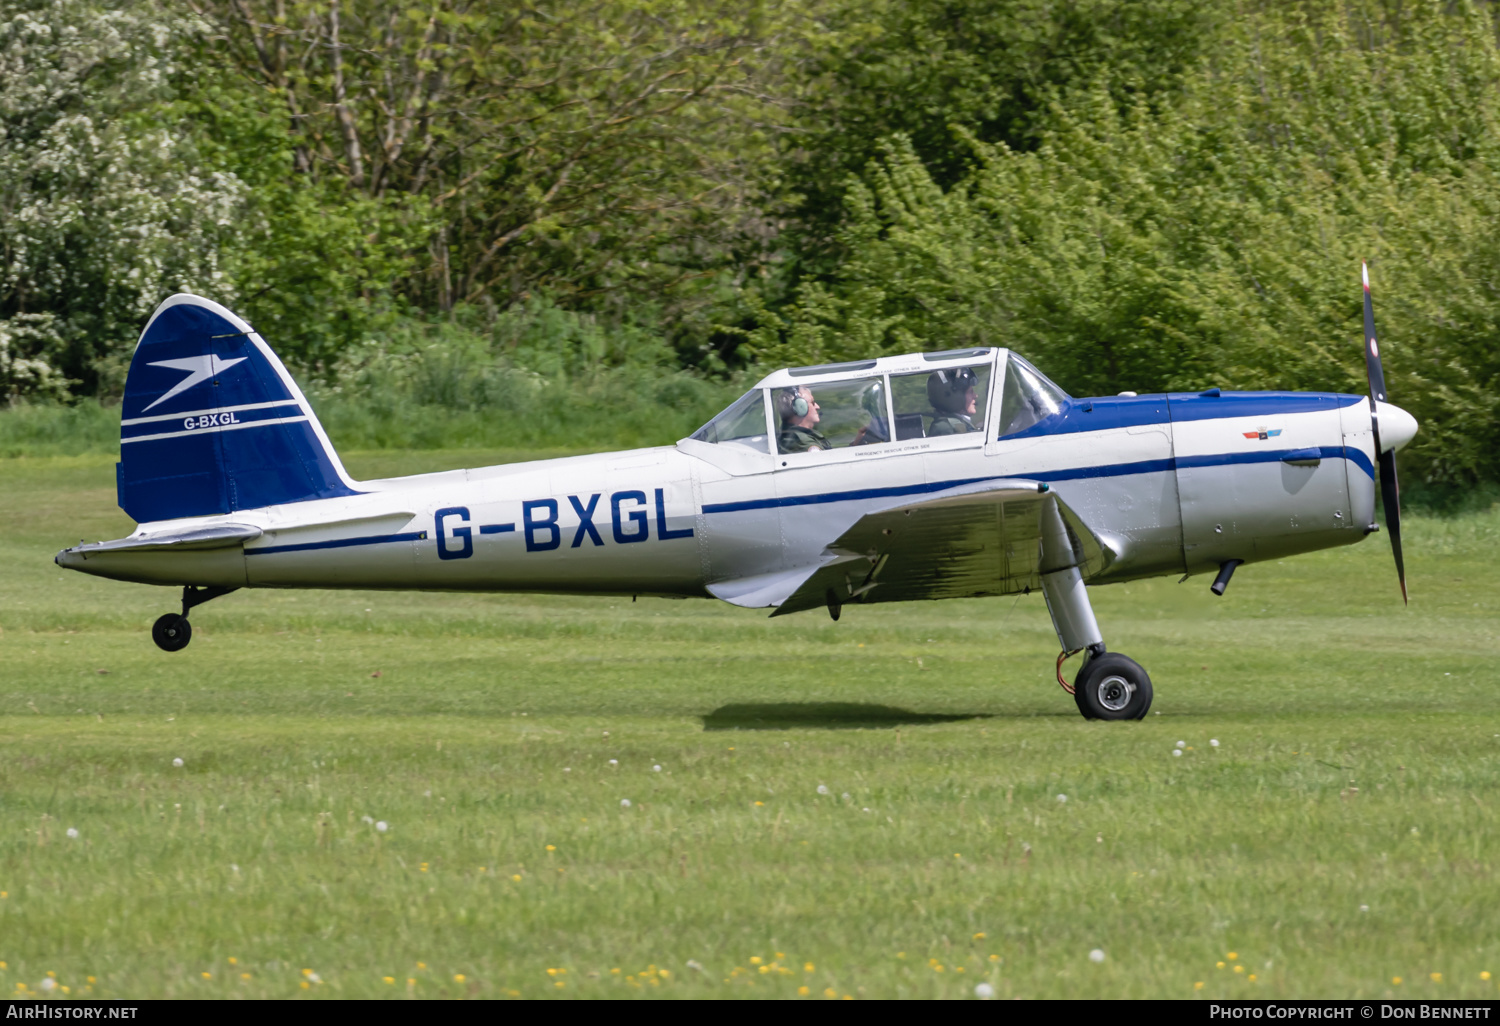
(212, 421)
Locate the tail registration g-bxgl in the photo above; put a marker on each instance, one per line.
(925, 476)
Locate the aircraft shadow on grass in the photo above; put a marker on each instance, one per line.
(822, 715)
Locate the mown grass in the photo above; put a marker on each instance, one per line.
(1342, 833)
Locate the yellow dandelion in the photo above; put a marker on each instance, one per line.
(515, 877)
(614, 972)
(4, 894)
(900, 954)
(551, 972)
(244, 976)
(459, 977)
(663, 974)
(958, 968)
(411, 982)
(306, 985)
(756, 960)
(994, 958)
(207, 976)
(957, 855)
(422, 867)
(421, 965)
(308, 972)
(937, 969)
(559, 984)
(1252, 977)
(804, 991)
(979, 936)
(808, 967)
(1395, 981)
(780, 954)
(760, 804)
(513, 993)
(389, 979)
(232, 961)
(52, 974)
(848, 997)
(551, 847)
(1239, 968)
(482, 869)
(1231, 956)
(1218, 965)
(764, 969)
(2, 966)
(6, 965)
(20, 986)
(1198, 985)
(830, 993)
(1485, 975)
(1435, 977)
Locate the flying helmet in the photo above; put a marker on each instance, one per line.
(946, 388)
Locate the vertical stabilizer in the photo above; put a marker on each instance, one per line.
(213, 423)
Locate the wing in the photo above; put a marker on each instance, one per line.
(983, 539)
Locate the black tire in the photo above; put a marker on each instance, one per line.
(171, 632)
(1112, 687)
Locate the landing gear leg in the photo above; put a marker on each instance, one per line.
(1110, 686)
(171, 631)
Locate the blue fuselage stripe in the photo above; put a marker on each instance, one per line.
(1354, 456)
(340, 543)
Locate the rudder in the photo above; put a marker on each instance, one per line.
(213, 423)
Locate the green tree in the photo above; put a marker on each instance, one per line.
(1216, 239)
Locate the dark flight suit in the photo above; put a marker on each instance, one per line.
(950, 424)
(801, 439)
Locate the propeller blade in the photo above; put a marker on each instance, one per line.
(1373, 370)
(1390, 490)
(1390, 501)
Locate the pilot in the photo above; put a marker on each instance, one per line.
(953, 395)
(799, 414)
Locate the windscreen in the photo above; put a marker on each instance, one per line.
(1027, 396)
(743, 423)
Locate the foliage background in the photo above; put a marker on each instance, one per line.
(590, 224)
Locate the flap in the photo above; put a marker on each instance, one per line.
(774, 588)
(990, 538)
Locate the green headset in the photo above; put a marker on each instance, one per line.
(794, 403)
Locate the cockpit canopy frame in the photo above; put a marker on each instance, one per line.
(889, 400)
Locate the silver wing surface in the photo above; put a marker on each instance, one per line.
(981, 539)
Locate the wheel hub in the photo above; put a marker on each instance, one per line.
(1115, 692)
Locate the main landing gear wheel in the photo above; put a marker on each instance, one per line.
(171, 632)
(1112, 687)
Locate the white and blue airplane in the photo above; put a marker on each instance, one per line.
(924, 476)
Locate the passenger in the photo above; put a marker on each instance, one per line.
(872, 400)
(954, 395)
(798, 413)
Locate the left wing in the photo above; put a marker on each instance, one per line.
(981, 539)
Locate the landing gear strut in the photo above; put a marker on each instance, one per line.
(1110, 686)
(171, 631)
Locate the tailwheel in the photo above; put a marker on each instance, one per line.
(1112, 687)
(171, 632)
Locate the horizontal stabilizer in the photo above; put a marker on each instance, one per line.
(220, 536)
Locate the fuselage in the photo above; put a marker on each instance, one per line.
(1171, 483)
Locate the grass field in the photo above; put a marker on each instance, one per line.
(1340, 837)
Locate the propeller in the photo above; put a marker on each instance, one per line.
(1390, 492)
